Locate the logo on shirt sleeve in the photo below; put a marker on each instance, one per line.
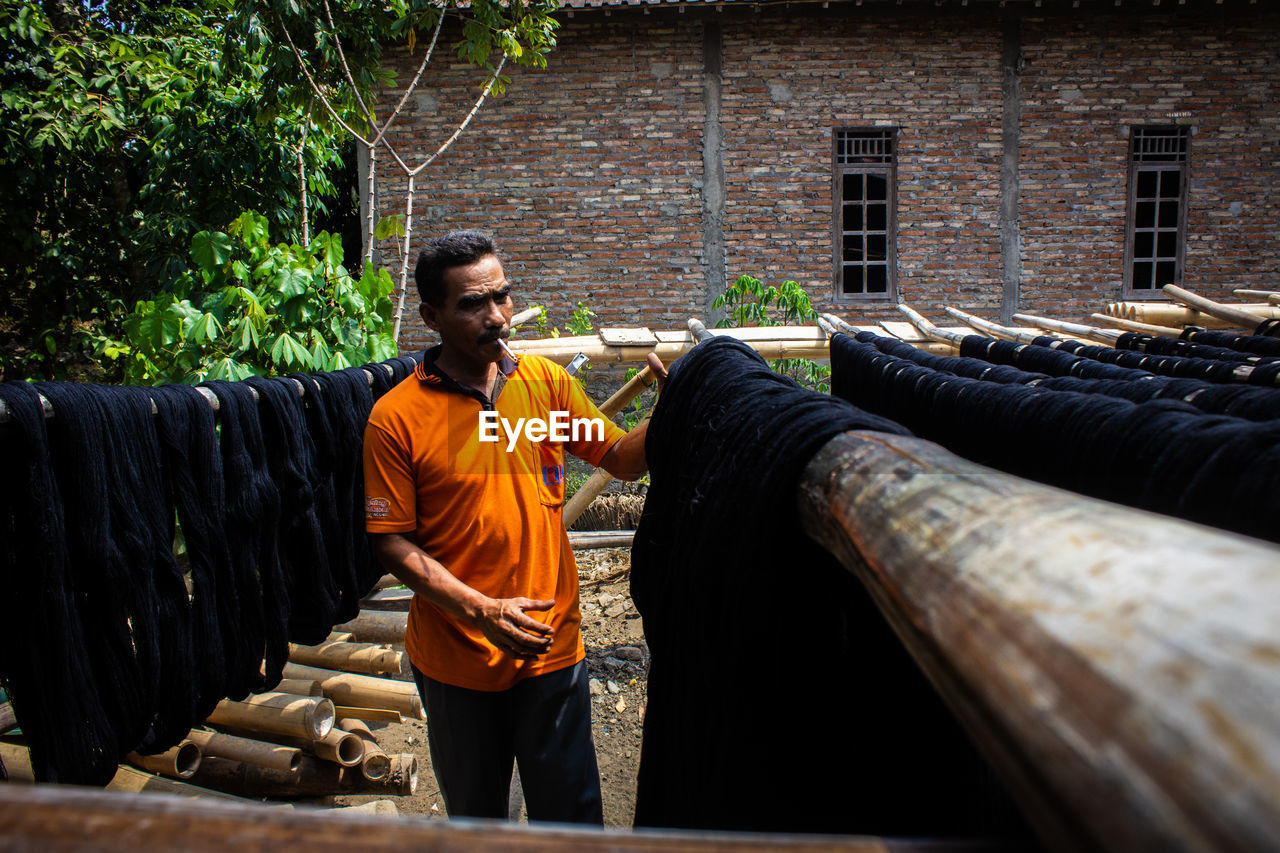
(376, 507)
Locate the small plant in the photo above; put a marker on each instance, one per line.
(750, 303)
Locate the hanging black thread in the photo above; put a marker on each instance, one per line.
(1173, 346)
(808, 672)
(53, 686)
(252, 518)
(192, 468)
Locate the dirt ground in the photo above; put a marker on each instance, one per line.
(618, 663)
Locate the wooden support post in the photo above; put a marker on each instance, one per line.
(1121, 669)
(365, 691)
(278, 713)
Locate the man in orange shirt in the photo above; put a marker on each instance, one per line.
(465, 509)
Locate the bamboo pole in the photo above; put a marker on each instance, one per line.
(1079, 330)
(178, 762)
(600, 478)
(1121, 669)
(367, 658)
(278, 713)
(382, 808)
(1233, 314)
(313, 778)
(374, 763)
(346, 688)
(373, 626)
(261, 753)
(130, 781)
(8, 719)
(994, 330)
(1271, 296)
(811, 343)
(1135, 326)
(56, 818)
(928, 329)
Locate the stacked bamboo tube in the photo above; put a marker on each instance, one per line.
(309, 737)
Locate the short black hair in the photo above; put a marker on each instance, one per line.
(455, 249)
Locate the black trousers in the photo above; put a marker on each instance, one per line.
(543, 723)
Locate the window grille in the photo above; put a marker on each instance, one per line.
(864, 213)
(1156, 233)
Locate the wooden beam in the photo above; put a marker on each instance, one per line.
(1121, 669)
(48, 817)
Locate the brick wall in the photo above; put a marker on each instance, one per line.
(590, 173)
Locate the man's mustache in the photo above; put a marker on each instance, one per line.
(490, 337)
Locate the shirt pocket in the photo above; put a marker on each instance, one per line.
(549, 472)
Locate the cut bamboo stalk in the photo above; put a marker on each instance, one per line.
(1166, 314)
(368, 658)
(1079, 330)
(586, 493)
(397, 600)
(377, 715)
(1229, 313)
(298, 687)
(374, 764)
(373, 626)
(1135, 326)
(338, 746)
(261, 753)
(1121, 669)
(178, 762)
(130, 781)
(312, 778)
(17, 762)
(341, 637)
(278, 713)
(347, 688)
(8, 719)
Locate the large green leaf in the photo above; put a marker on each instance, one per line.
(211, 249)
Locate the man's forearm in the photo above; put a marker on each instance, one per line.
(426, 576)
(626, 460)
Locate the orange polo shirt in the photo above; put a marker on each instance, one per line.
(491, 515)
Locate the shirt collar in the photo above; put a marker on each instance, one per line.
(427, 371)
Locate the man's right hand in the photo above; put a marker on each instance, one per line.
(505, 623)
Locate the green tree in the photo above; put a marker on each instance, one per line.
(124, 131)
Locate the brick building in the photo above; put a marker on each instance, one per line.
(1043, 155)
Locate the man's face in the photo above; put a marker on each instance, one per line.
(475, 312)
